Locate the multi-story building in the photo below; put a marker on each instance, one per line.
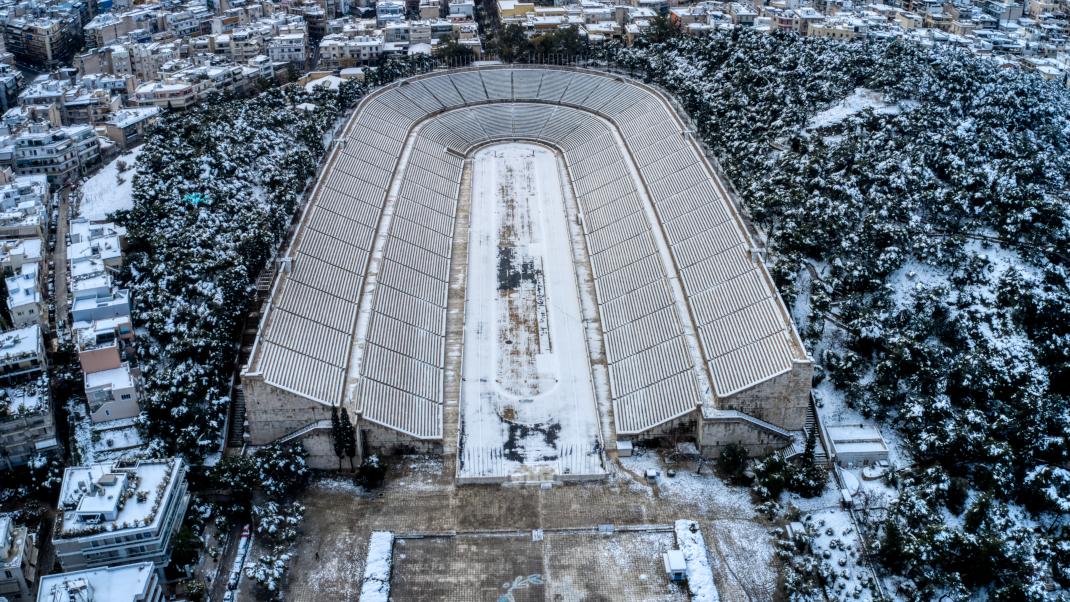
(103, 344)
(112, 394)
(130, 583)
(46, 41)
(119, 513)
(43, 150)
(11, 80)
(337, 51)
(170, 93)
(22, 353)
(23, 210)
(127, 127)
(18, 561)
(25, 304)
(27, 424)
(389, 11)
(16, 253)
(288, 48)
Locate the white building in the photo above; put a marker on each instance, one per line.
(25, 304)
(288, 48)
(130, 583)
(15, 253)
(857, 445)
(18, 561)
(116, 513)
(22, 353)
(103, 241)
(23, 211)
(340, 51)
(112, 394)
(389, 11)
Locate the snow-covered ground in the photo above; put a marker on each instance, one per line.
(109, 190)
(105, 441)
(711, 495)
(836, 541)
(860, 100)
(699, 575)
(527, 399)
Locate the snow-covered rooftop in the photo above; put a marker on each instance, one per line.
(116, 378)
(110, 496)
(20, 343)
(128, 583)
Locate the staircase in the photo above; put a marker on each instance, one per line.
(733, 415)
(236, 433)
(798, 446)
(319, 425)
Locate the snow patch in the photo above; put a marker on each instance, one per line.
(859, 100)
(103, 194)
(699, 574)
(375, 586)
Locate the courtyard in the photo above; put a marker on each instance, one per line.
(444, 526)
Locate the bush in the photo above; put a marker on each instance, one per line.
(733, 463)
(371, 473)
(772, 476)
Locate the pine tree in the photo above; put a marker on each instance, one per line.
(338, 435)
(349, 439)
(810, 452)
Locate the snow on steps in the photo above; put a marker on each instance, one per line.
(735, 415)
(798, 445)
(489, 465)
(236, 426)
(308, 428)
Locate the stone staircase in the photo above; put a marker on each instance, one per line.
(236, 432)
(308, 428)
(798, 444)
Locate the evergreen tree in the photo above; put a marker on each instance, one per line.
(349, 438)
(338, 436)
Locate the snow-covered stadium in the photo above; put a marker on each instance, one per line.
(521, 268)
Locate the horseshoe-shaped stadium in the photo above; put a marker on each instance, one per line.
(523, 269)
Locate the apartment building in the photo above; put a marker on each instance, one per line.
(11, 81)
(27, 426)
(127, 127)
(23, 206)
(289, 48)
(46, 41)
(338, 51)
(18, 561)
(15, 253)
(25, 303)
(60, 154)
(130, 583)
(116, 513)
(113, 394)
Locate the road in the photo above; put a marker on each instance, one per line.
(59, 259)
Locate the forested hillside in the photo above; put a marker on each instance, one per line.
(916, 207)
(215, 190)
